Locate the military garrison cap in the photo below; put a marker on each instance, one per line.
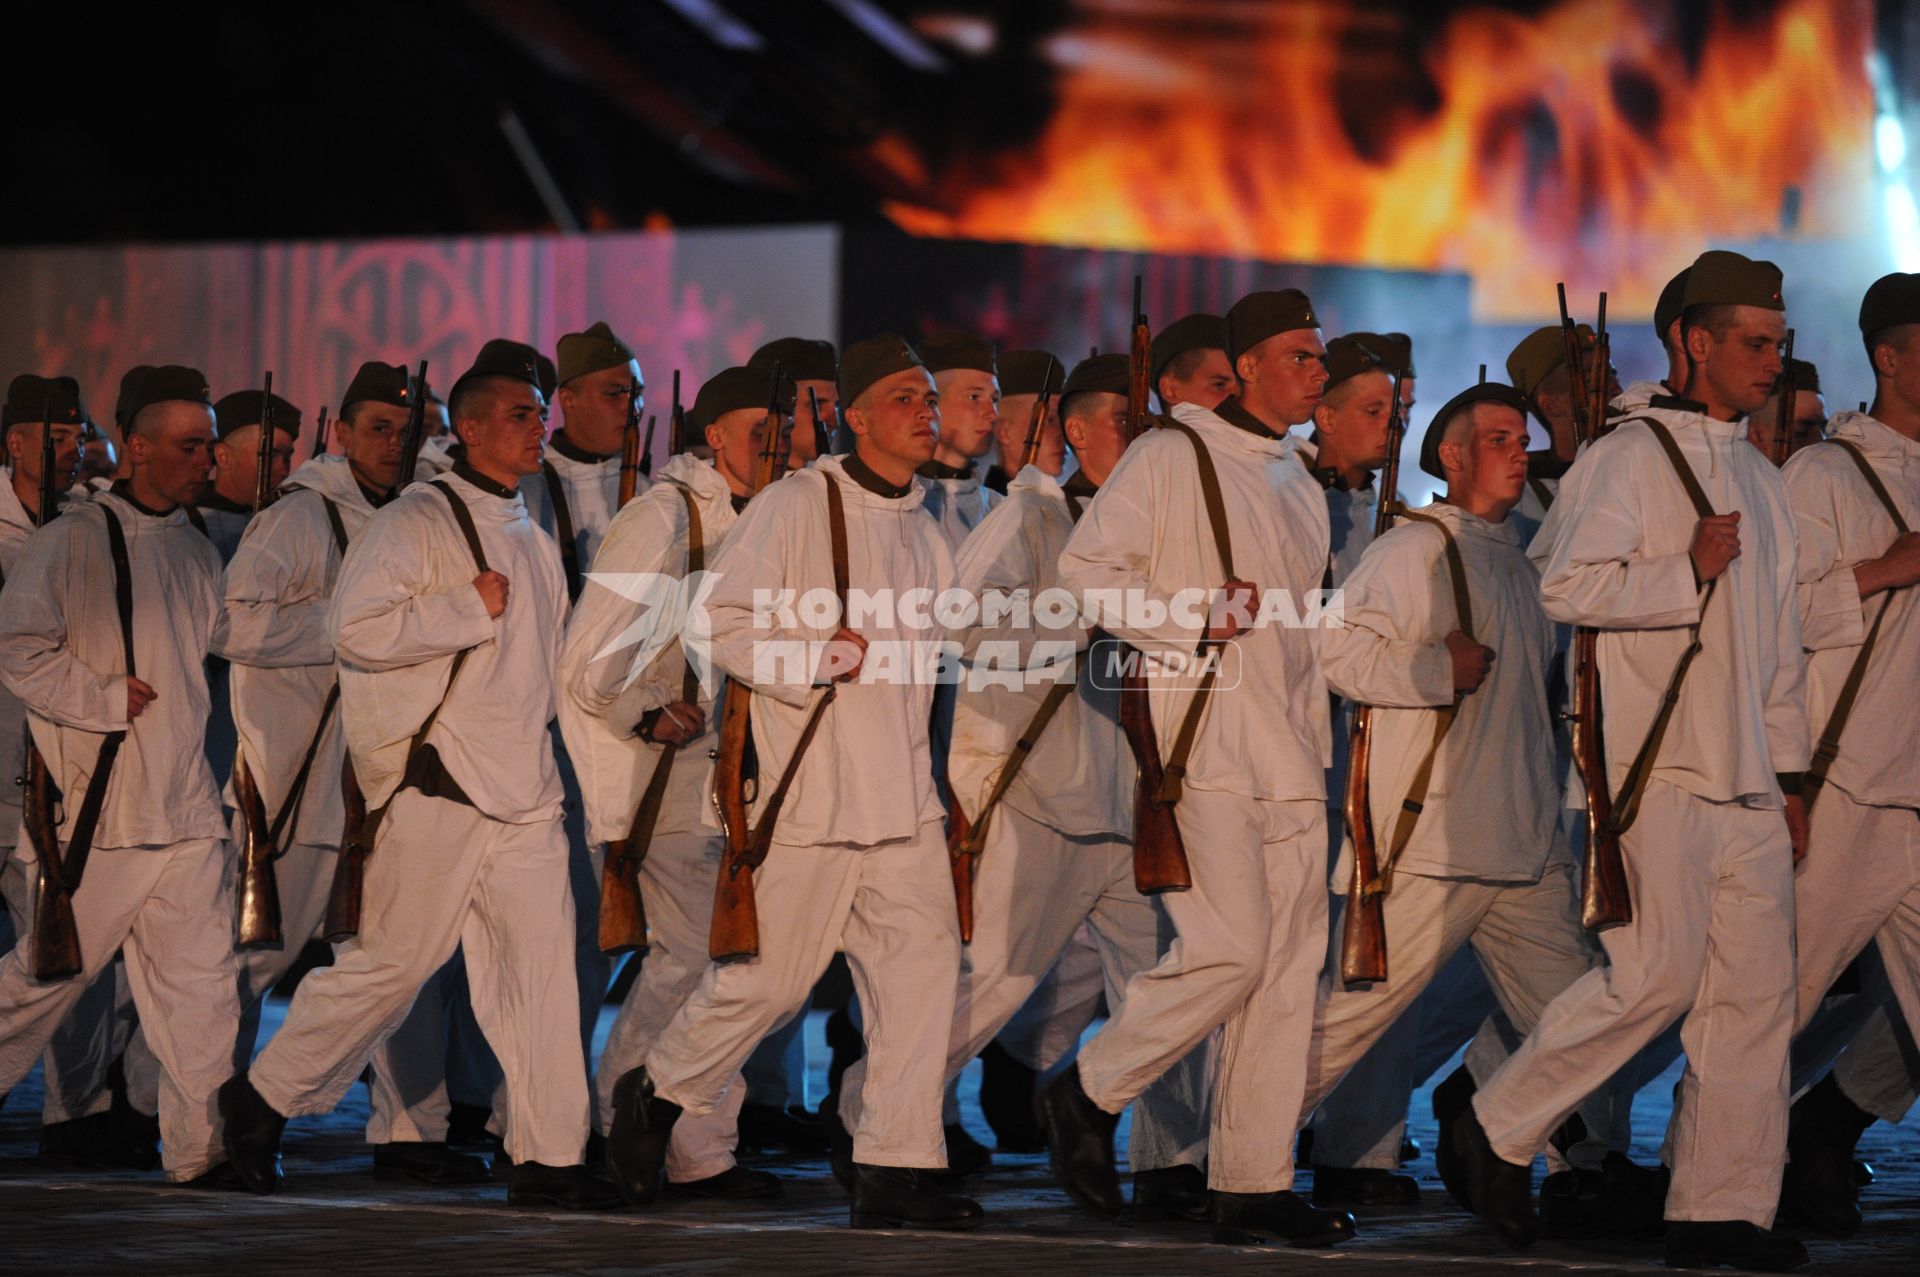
(1891, 301)
(242, 408)
(1189, 332)
(163, 384)
(1258, 316)
(1721, 278)
(129, 380)
(874, 359)
(1104, 373)
(591, 351)
(503, 358)
(734, 388)
(1485, 392)
(1023, 371)
(1672, 302)
(1540, 353)
(376, 382)
(801, 358)
(1395, 350)
(1350, 355)
(29, 399)
(947, 352)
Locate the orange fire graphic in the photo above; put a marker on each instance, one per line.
(1582, 144)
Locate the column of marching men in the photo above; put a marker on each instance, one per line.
(487, 663)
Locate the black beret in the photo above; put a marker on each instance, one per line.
(162, 385)
(1258, 316)
(1721, 278)
(503, 358)
(242, 408)
(1189, 332)
(1485, 392)
(129, 380)
(1672, 302)
(874, 359)
(734, 388)
(1802, 375)
(29, 398)
(1891, 300)
(1104, 373)
(591, 351)
(945, 352)
(1023, 371)
(1350, 355)
(801, 358)
(546, 376)
(378, 383)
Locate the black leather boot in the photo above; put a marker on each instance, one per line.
(1171, 1192)
(902, 1197)
(1350, 1186)
(1822, 1129)
(1006, 1101)
(428, 1162)
(79, 1144)
(1618, 1200)
(560, 1187)
(250, 1132)
(1245, 1219)
(839, 1141)
(768, 1126)
(735, 1184)
(1450, 1099)
(965, 1154)
(637, 1139)
(1502, 1190)
(1080, 1143)
(1731, 1244)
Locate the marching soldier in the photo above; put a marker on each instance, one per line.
(576, 490)
(1855, 503)
(858, 858)
(1443, 618)
(1221, 499)
(226, 506)
(1668, 528)
(447, 618)
(1537, 367)
(1021, 374)
(963, 373)
(279, 586)
(104, 631)
(619, 714)
(1057, 851)
(810, 365)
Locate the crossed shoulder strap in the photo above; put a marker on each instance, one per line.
(1174, 773)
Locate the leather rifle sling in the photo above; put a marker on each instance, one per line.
(1626, 804)
(86, 820)
(1827, 748)
(1176, 765)
(1415, 802)
(563, 530)
(464, 517)
(1541, 493)
(638, 838)
(297, 791)
(762, 840)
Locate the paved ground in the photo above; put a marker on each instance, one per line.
(336, 1219)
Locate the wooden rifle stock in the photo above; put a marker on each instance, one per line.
(55, 952)
(1159, 853)
(1037, 418)
(735, 932)
(350, 870)
(630, 449)
(1363, 924)
(623, 914)
(257, 893)
(1604, 898)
